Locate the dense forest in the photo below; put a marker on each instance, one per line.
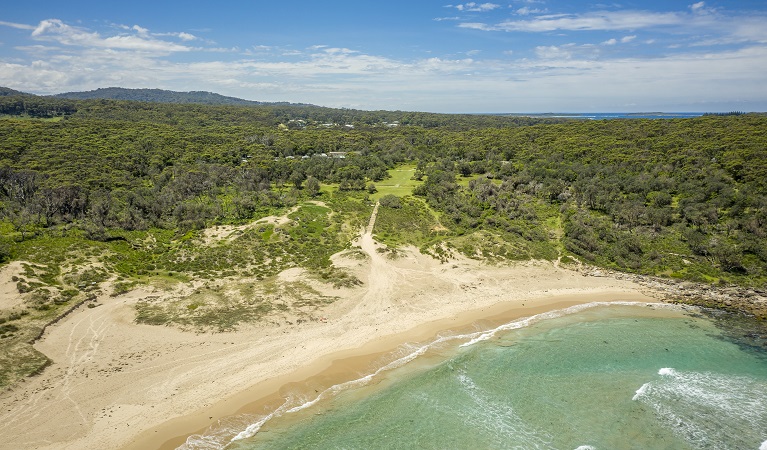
(131, 192)
(634, 195)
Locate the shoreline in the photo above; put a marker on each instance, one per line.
(347, 365)
(117, 384)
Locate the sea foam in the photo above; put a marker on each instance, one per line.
(641, 391)
(498, 419)
(694, 405)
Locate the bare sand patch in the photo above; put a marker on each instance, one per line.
(10, 297)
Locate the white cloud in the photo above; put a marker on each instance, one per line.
(57, 31)
(743, 30)
(477, 26)
(702, 26)
(475, 7)
(37, 49)
(604, 21)
(553, 52)
(356, 79)
(339, 51)
(259, 49)
(696, 7)
(342, 76)
(20, 26)
(567, 52)
(139, 43)
(526, 11)
(140, 31)
(623, 40)
(145, 33)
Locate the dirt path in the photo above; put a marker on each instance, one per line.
(372, 221)
(387, 278)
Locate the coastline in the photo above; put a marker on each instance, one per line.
(117, 384)
(348, 365)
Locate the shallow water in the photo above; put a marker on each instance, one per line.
(603, 378)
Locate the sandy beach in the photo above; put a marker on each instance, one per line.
(117, 384)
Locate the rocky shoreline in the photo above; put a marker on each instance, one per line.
(752, 301)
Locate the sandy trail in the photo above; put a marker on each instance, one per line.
(381, 277)
(386, 276)
(115, 383)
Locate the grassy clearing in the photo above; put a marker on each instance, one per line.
(400, 183)
(328, 189)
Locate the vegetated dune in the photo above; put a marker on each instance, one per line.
(115, 383)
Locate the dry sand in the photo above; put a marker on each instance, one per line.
(10, 297)
(117, 384)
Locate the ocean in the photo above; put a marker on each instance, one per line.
(607, 116)
(590, 377)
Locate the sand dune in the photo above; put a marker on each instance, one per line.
(117, 384)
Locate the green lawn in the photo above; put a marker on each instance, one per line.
(400, 183)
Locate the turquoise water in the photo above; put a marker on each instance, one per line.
(603, 378)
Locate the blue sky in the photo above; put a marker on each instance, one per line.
(421, 55)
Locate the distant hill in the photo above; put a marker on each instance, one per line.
(164, 96)
(4, 91)
(111, 103)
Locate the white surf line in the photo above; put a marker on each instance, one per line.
(527, 321)
(420, 349)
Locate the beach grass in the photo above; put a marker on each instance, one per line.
(413, 223)
(226, 306)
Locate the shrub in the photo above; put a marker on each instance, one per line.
(390, 201)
